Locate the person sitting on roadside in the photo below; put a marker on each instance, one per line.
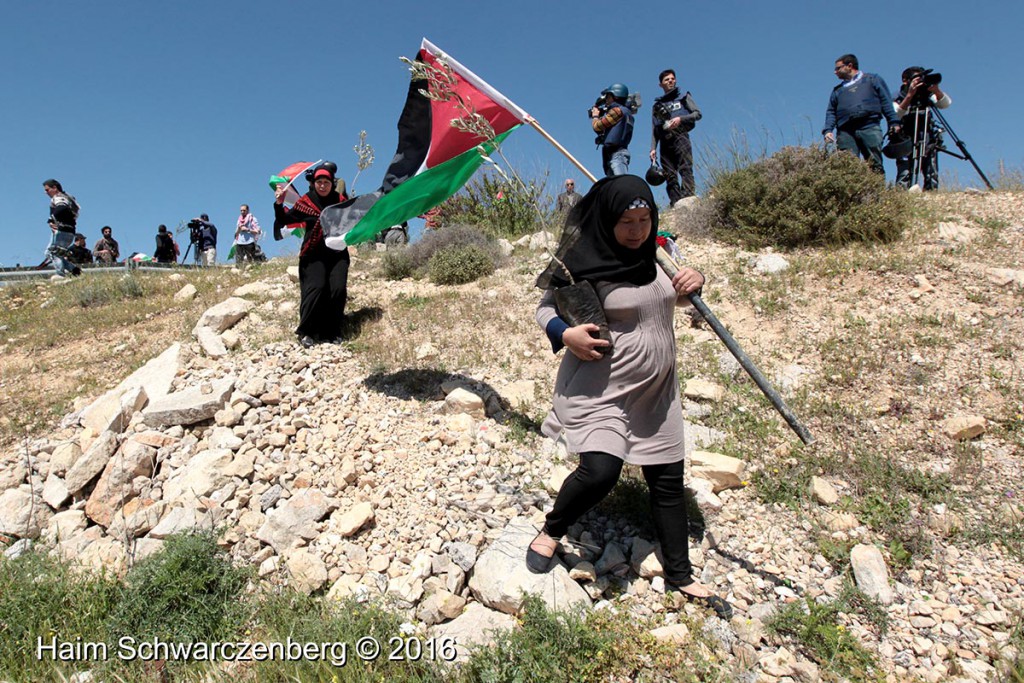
(79, 254)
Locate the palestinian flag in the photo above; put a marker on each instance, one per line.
(287, 178)
(434, 159)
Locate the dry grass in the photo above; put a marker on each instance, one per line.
(61, 342)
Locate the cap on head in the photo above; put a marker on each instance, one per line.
(323, 173)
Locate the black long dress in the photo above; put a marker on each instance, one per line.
(323, 272)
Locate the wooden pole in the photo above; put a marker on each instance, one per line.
(536, 126)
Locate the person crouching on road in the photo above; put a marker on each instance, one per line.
(323, 272)
(617, 401)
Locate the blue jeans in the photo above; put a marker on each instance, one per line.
(58, 250)
(867, 140)
(615, 162)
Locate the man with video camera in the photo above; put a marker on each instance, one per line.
(612, 120)
(855, 108)
(673, 116)
(204, 237)
(918, 94)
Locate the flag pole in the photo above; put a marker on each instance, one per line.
(671, 268)
(583, 169)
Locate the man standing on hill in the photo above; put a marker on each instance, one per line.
(612, 120)
(106, 249)
(247, 233)
(674, 115)
(567, 199)
(207, 240)
(855, 108)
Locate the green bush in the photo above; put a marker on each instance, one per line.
(500, 208)
(457, 265)
(415, 260)
(188, 591)
(806, 196)
(397, 264)
(816, 629)
(42, 597)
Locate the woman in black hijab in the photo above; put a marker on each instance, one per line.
(323, 272)
(617, 400)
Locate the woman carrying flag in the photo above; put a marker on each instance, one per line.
(323, 272)
(617, 399)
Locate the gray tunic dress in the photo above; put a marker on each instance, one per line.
(627, 403)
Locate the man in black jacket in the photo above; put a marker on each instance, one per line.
(207, 240)
(674, 115)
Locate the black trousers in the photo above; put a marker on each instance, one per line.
(677, 165)
(323, 283)
(594, 479)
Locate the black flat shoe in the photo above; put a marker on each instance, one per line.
(720, 605)
(536, 562)
(307, 341)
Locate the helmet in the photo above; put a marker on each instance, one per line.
(654, 175)
(617, 90)
(899, 146)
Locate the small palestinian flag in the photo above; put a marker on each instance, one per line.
(434, 159)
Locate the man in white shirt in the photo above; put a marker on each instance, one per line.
(919, 93)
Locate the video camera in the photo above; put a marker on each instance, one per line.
(633, 102)
(929, 77)
(195, 231)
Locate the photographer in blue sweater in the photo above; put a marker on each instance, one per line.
(855, 108)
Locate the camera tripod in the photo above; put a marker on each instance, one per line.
(925, 148)
(195, 254)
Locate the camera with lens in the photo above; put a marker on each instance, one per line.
(929, 77)
(661, 111)
(195, 230)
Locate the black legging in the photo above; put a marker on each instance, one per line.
(323, 283)
(594, 479)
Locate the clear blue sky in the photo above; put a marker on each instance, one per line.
(153, 113)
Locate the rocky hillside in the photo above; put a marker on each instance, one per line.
(406, 461)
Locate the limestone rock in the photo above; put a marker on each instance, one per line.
(557, 478)
(113, 411)
(644, 559)
(673, 633)
(225, 314)
(520, 393)
(871, 573)
(724, 471)
(188, 406)
(426, 351)
(21, 514)
(210, 342)
(104, 554)
(91, 463)
(704, 494)
(766, 264)
(839, 521)
(114, 486)
(473, 628)
(964, 427)
(583, 571)
(295, 521)
(307, 570)
(703, 390)
(186, 293)
(178, 520)
(64, 456)
(203, 474)
(500, 576)
(64, 525)
(350, 522)
(293, 273)
(155, 376)
(461, 400)
(440, 606)
(55, 492)
(231, 339)
(823, 492)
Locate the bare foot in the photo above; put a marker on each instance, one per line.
(544, 545)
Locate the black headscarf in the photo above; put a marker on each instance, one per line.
(588, 247)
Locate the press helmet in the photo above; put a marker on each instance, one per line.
(654, 175)
(618, 91)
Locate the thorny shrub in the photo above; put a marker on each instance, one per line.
(457, 265)
(413, 260)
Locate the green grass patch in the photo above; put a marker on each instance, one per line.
(816, 630)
